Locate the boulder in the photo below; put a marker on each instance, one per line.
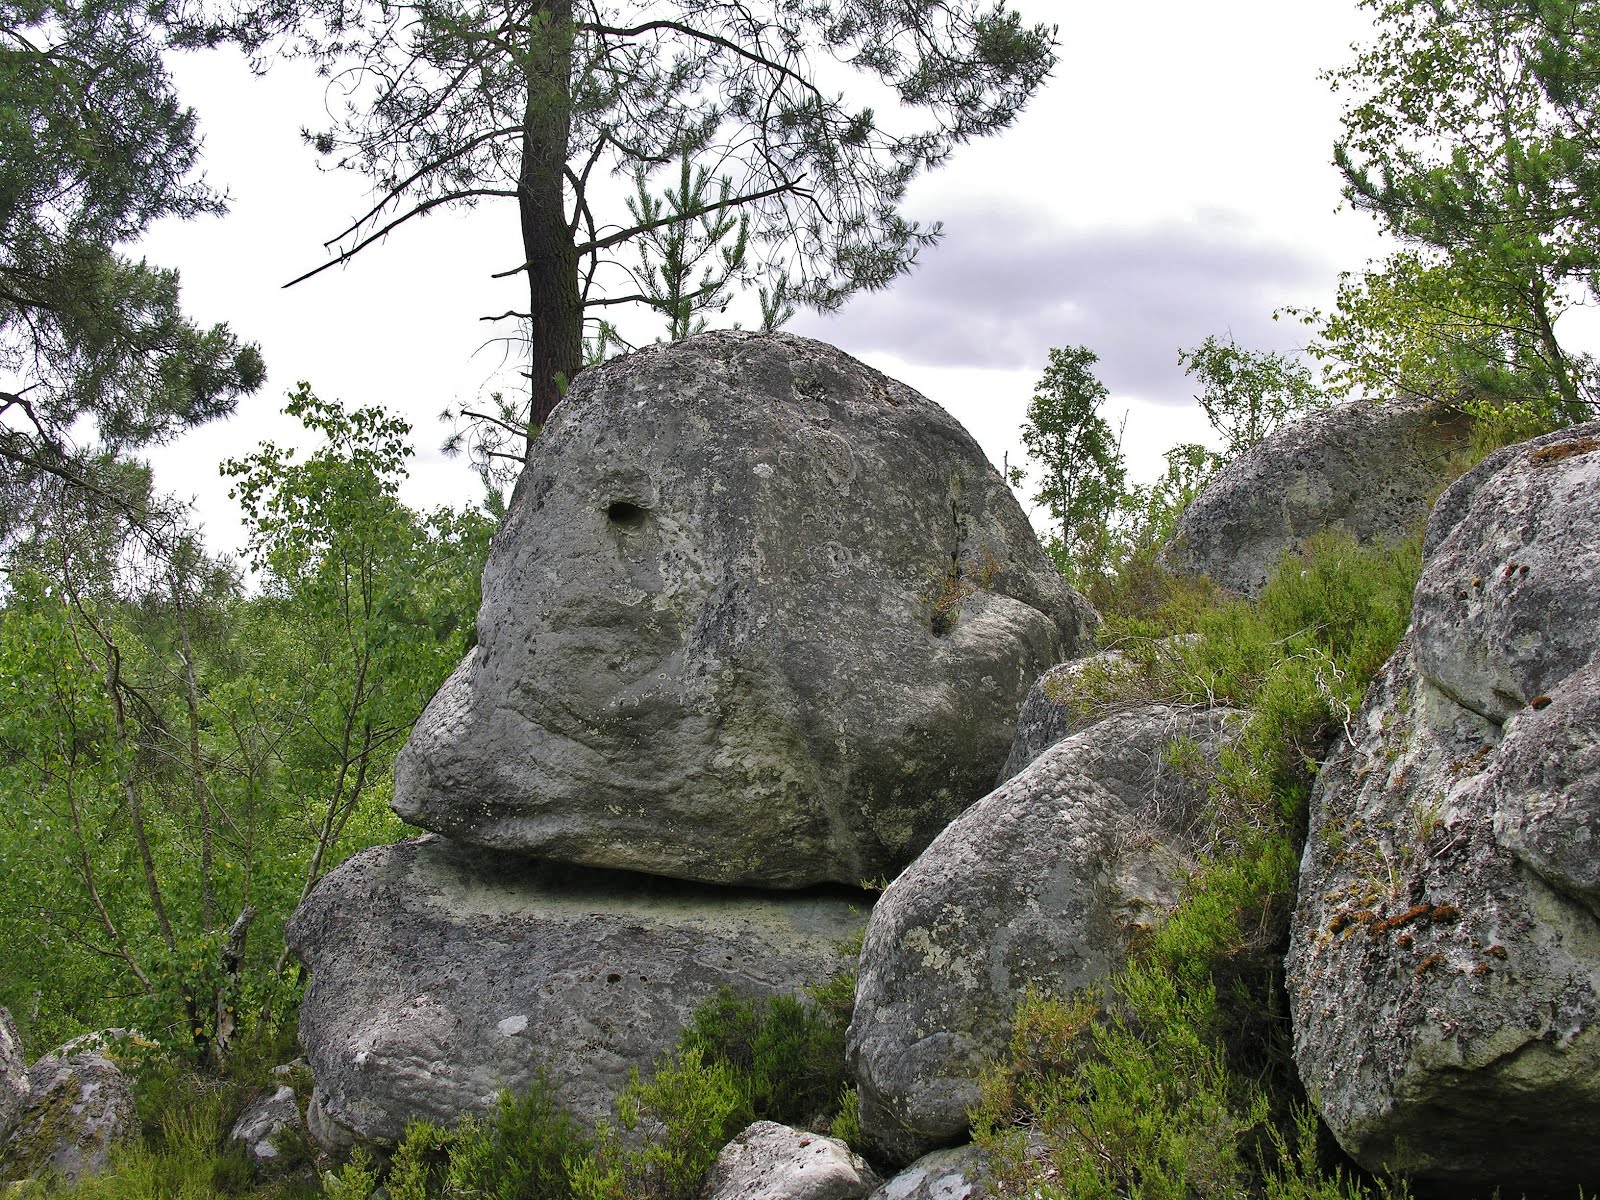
(442, 974)
(1370, 470)
(265, 1119)
(960, 1173)
(1444, 966)
(1041, 884)
(774, 1162)
(757, 615)
(13, 1076)
(80, 1107)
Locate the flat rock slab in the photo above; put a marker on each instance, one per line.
(769, 1161)
(1444, 964)
(757, 614)
(1041, 884)
(442, 974)
(1371, 470)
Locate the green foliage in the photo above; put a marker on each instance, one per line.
(94, 148)
(1247, 394)
(1079, 458)
(1469, 137)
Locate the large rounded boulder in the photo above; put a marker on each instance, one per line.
(1042, 884)
(757, 615)
(1369, 470)
(1444, 967)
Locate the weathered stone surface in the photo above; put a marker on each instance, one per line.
(442, 974)
(1370, 470)
(757, 615)
(1444, 967)
(267, 1117)
(13, 1076)
(79, 1107)
(1509, 600)
(960, 1173)
(774, 1162)
(1041, 883)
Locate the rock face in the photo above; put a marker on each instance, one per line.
(1370, 470)
(13, 1076)
(442, 974)
(79, 1107)
(757, 615)
(1041, 883)
(774, 1162)
(1444, 969)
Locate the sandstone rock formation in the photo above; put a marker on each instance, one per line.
(757, 615)
(1041, 883)
(774, 1162)
(442, 974)
(13, 1076)
(1370, 470)
(1444, 968)
(79, 1108)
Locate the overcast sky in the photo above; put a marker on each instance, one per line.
(1172, 180)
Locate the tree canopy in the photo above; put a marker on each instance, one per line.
(1472, 136)
(96, 356)
(454, 102)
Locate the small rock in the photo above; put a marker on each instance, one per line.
(263, 1120)
(774, 1162)
(961, 1173)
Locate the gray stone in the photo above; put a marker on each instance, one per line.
(13, 1076)
(1444, 964)
(1371, 470)
(757, 615)
(960, 1173)
(265, 1119)
(442, 974)
(774, 1162)
(79, 1108)
(1041, 884)
(1509, 599)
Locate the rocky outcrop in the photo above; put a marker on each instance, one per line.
(1370, 470)
(1041, 884)
(774, 1162)
(442, 974)
(79, 1108)
(267, 1118)
(1444, 969)
(13, 1076)
(757, 615)
(961, 1173)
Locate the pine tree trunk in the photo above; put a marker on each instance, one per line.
(556, 310)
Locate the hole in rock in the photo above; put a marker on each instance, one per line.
(626, 514)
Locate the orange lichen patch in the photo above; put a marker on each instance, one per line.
(1347, 919)
(1427, 964)
(1404, 941)
(1539, 702)
(1496, 951)
(1482, 968)
(1545, 455)
(1444, 912)
(1415, 913)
